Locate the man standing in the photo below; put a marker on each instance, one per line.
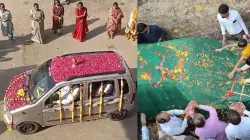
(232, 23)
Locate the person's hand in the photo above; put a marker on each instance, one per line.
(194, 104)
(143, 119)
(224, 41)
(218, 50)
(239, 108)
(231, 74)
(238, 70)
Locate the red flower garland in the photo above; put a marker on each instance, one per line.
(90, 64)
(11, 96)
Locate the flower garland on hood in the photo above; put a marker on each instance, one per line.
(14, 95)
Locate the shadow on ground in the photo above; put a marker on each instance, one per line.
(7, 74)
(3, 128)
(7, 46)
(95, 32)
(49, 36)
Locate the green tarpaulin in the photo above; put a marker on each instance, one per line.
(196, 73)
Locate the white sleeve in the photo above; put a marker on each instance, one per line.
(222, 27)
(242, 24)
(175, 112)
(229, 135)
(247, 113)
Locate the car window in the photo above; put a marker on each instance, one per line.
(67, 93)
(108, 89)
(125, 86)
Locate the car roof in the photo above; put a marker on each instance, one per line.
(87, 64)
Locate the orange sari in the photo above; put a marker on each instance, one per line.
(114, 21)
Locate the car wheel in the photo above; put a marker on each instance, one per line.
(27, 128)
(118, 115)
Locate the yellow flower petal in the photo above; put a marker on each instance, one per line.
(176, 30)
(200, 9)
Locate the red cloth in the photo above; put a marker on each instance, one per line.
(58, 11)
(81, 24)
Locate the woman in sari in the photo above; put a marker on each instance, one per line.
(58, 13)
(81, 23)
(131, 29)
(37, 23)
(7, 27)
(114, 21)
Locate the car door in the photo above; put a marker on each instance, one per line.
(127, 91)
(51, 112)
(109, 98)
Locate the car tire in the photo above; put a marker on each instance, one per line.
(27, 128)
(117, 116)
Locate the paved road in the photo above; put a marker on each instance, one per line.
(20, 55)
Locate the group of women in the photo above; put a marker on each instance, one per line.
(37, 22)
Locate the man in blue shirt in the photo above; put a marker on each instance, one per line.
(149, 33)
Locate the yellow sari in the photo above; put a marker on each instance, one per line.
(131, 29)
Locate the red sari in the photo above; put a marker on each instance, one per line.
(81, 25)
(114, 27)
(58, 11)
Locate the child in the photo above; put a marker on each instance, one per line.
(243, 43)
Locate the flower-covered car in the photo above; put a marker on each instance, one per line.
(70, 88)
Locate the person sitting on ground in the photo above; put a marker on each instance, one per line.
(67, 95)
(244, 55)
(205, 128)
(161, 134)
(231, 23)
(149, 33)
(239, 127)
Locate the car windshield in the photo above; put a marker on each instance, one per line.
(41, 81)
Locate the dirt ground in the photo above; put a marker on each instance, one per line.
(21, 55)
(189, 18)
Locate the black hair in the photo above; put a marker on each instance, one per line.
(57, 1)
(2, 4)
(36, 4)
(248, 61)
(199, 121)
(115, 4)
(233, 117)
(190, 138)
(80, 3)
(242, 43)
(223, 9)
(141, 27)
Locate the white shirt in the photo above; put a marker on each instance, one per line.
(67, 96)
(234, 25)
(108, 88)
(240, 131)
(174, 126)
